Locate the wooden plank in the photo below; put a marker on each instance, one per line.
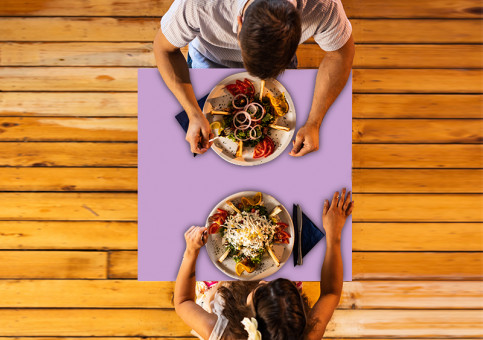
(417, 237)
(417, 106)
(309, 55)
(77, 54)
(125, 179)
(125, 79)
(404, 294)
(68, 206)
(412, 9)
(68, 104)
(416, 81)
(69, 154)
(365, 266)
(52, 265)
(416, 265)
(79, 29)
(62, 235)
(125, 104)
(68, 79)
(417, 181)
(68, 179)
(142, 322)
(115, 235)
(123, 207)
(424, 131)
(353, 8)
(417, 156)
(68, 129)
(418, 208)
(123, 264)
(135, 294)
(396, 56)
(412, 31)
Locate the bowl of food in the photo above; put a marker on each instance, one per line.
(253, 120)
(250, 235)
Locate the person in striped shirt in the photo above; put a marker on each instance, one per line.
(261, 36)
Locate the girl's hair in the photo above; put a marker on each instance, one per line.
(235, 295)
(280, 309)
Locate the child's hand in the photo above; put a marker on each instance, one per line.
(196, 238)
(335, 214)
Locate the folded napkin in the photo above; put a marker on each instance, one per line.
(311, 235)
(183, 119)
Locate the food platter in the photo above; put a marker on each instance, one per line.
(220, 98)
(216, 248)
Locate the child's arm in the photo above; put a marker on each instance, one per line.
(331, 277)
(184, 291)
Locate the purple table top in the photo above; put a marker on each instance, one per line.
(177, 190)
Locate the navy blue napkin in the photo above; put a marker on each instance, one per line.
(311, 235)
(183, 119)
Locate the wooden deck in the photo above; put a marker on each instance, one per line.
(68, 179)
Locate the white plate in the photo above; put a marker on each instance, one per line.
(219, 98)
(266, 267)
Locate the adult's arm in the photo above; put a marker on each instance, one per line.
(173, 68)
(331, 78)
(184, 291)
(331, 277)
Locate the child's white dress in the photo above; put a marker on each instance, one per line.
(208, 298)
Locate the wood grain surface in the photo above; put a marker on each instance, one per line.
(68, 172)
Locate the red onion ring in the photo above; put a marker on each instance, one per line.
(252, 114)
(254, 128)
(242, 124)
(235, 98)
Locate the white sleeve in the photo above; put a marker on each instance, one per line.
(180, 24)
(335, 29)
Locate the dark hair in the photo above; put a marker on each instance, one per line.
(269, 37)
(280, 310)
(235, 295)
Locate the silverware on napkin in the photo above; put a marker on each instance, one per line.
(299, 230)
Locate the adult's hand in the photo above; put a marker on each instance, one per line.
(306, 140)
(335, 214)
(199, 134)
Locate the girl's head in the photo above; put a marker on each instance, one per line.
(280, 309)
(278, 306)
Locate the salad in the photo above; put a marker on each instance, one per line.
(248, 231)
(249, 117)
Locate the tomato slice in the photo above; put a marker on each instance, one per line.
(242, 86)
(283, 234)
(281, 226)
(251, 88)
(213, 228)
(270, 146)
(223, 213)
(232, 88)
(260, 149)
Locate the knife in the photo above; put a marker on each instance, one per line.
(299, 241)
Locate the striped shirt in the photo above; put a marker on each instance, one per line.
(210, 28)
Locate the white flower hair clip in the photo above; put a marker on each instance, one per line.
(251, 326)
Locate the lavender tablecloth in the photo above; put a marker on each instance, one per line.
(177, 190)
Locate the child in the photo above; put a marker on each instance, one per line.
(263, 310)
